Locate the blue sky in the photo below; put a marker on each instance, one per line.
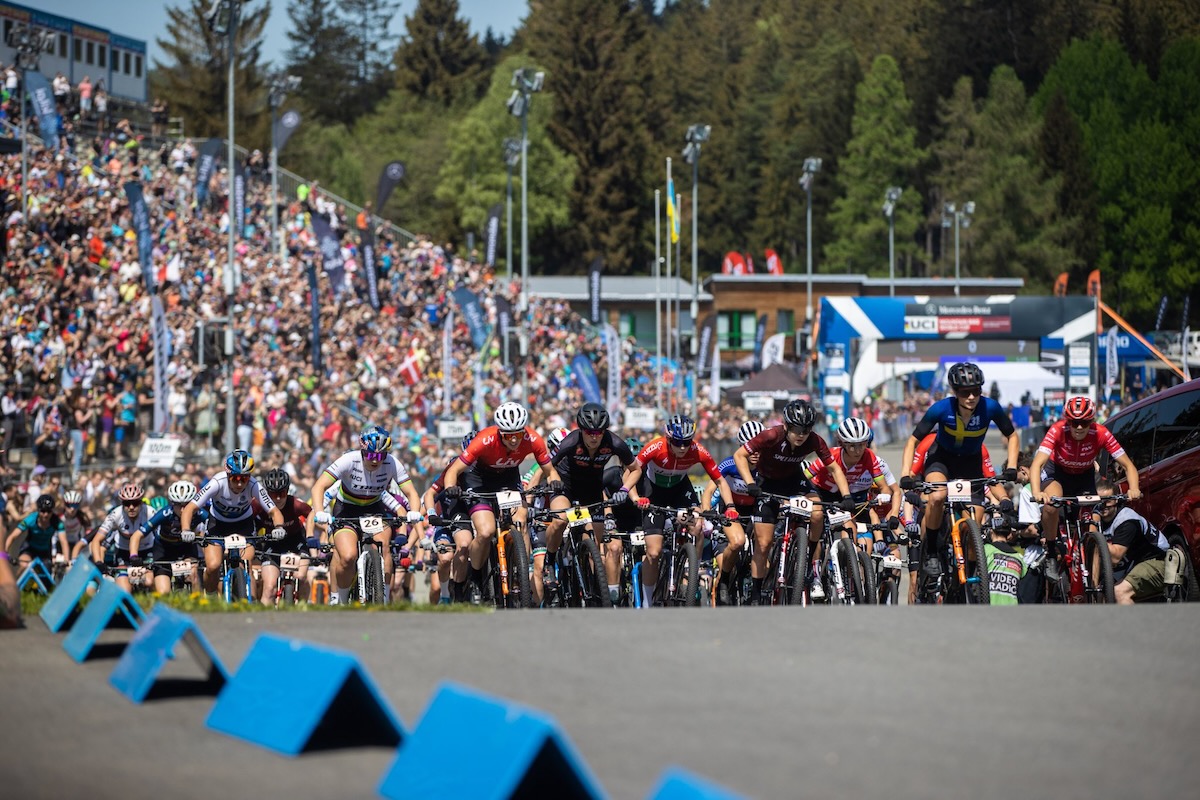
(147, 19)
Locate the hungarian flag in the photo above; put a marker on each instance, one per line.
(410, 368)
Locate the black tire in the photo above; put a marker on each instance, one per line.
(770, 580)
(1099, 587)
(289, 593)
(1191, 586)
(687, 575)
(373, 578)
(520, 594)
(594, 591)
(867, 568)
(852, 578)
(889, 591)
(797, 569)
(237, 585)
(977, 593)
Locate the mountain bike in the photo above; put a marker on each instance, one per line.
(184, 575)
(956, 570)
(679, 563)
(885, 567)
(738, 580)
(370, 553)
(632, 552)
(235, 570)
(1088, 573)
(580, 570)
(287, 584)
(787, 563)
(846, 573)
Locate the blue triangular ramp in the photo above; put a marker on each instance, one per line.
(290, 696)
(57, 611)
(137, 672)
(39, 566)
(516, 753)
(39, 578)
(108, 602)
(679, 784)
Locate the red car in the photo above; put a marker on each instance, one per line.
(1162, 435)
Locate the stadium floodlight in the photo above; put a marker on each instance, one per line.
(696, 136)
(890, 198)
(281, 86)
(959, 218)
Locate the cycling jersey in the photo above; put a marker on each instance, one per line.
(777, 458)
(956, 437)
(860, 477)
(165, 524)
(490, 454)
(737, 486)
(574, 463)
(362, 487)
(40, 539)
(227, 505)
(1078, 456)
(295, 513)
(922, 452)
(117, 526)
(664, 470)
(76, 525)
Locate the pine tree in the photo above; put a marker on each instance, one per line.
(195, 75)
(1063, 155)
(367, 22)
(322, 55)
(439, 58)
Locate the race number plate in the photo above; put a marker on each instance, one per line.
(637, 538)
(1088, 499)
(137, 574)
(507, 500)
(862, 528)
(800, 506)
(289, 562)
(181, 568)
(838, 518)
(371, 525)
(235, 542)
(59, 558)
(958, 491)
(578, 517)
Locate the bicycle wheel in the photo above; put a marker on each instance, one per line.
(797, 569)
(520, 595)
(852, 579)
(977, 591)
(867, 569)
(237, 585)
(594, 591)
(889, 591)
(372, 564)
(771, 580)
(687, 576)
(289, 593)
(1099, 586)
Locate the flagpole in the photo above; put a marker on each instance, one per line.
(658, 300)
(670, 236)
(678, 294)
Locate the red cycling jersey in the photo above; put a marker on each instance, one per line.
(860, 477)
(918, 462)
(665, 470)
(489, 452)
(777, 459)
(1078, 456)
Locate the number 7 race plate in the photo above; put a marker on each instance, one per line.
(507, 500)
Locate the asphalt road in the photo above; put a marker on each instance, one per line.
(782, 702)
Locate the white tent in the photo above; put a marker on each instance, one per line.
(1015, 378)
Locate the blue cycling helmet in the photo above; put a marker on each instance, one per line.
(466, 440)
(680, 428)
(239, 462)
(375, 440)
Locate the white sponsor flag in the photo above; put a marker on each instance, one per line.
(714, 387)
(162, 355)
(1112, 366)
(773, 350)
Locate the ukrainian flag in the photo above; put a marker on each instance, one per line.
(672, 212)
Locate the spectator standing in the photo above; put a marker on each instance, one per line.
(158, 118)
(85, 97)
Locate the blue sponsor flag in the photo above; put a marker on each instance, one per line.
(42, 98)
(585, 377)
(473, 313)
(141, 226)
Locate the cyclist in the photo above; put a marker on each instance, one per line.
(580, 460)
(1065, 462)
(666, 462)
(117, 530)
(743, 503)
(783, 451)
(295, 540)
(960, 422)
(229, 497)
(496, 454)
(864, 471)
(365, 475)
(451, 568)
(76, 524)
(626, 517)
(40, 530)
(170, 543)
(537, 533)
(1137, 548)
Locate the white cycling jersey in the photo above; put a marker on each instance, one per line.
(117, 526)
(226, 505)
(360, 487)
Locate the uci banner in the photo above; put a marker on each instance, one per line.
(206, 165)
(141, 226)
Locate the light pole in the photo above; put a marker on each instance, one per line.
(518, 105)
(281, 85)
(891, 197)
(512, 154)
(29, 45)
(696, 136)
(959, 218)
(811, 167)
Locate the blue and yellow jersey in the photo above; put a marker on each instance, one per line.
(961, 436)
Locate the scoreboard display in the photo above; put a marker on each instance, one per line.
(908, 351)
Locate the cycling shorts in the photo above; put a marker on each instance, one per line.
(767, 508)
(487, 481)
(1073, 484)
(681, 495)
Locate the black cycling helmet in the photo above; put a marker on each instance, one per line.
(277, 480)
(799, 413)
(965, 375)
(592, 417)
(45, 503)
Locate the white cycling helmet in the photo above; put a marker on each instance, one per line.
(853, 430)
(72, 498)
(181, 492)
(511, 417)
(556, 437)
(749, 430)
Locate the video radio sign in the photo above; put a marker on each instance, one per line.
(942, 318)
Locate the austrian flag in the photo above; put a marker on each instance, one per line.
(410, 368)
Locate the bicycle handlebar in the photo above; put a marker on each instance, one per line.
(1085, 500)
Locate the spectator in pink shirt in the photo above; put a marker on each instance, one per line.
(85, 96)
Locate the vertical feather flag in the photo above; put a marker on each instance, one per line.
(672, 211)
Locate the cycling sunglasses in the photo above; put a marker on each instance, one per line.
(1082, 424)
(803, 430)
(680, 442)
(590, 432)
(374, 458)
(974, 391)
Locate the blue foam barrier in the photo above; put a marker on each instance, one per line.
(679, 784)
(110, 601)
(56, 613)
(154, 644)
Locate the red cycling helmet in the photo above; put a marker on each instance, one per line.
(1080, 409)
